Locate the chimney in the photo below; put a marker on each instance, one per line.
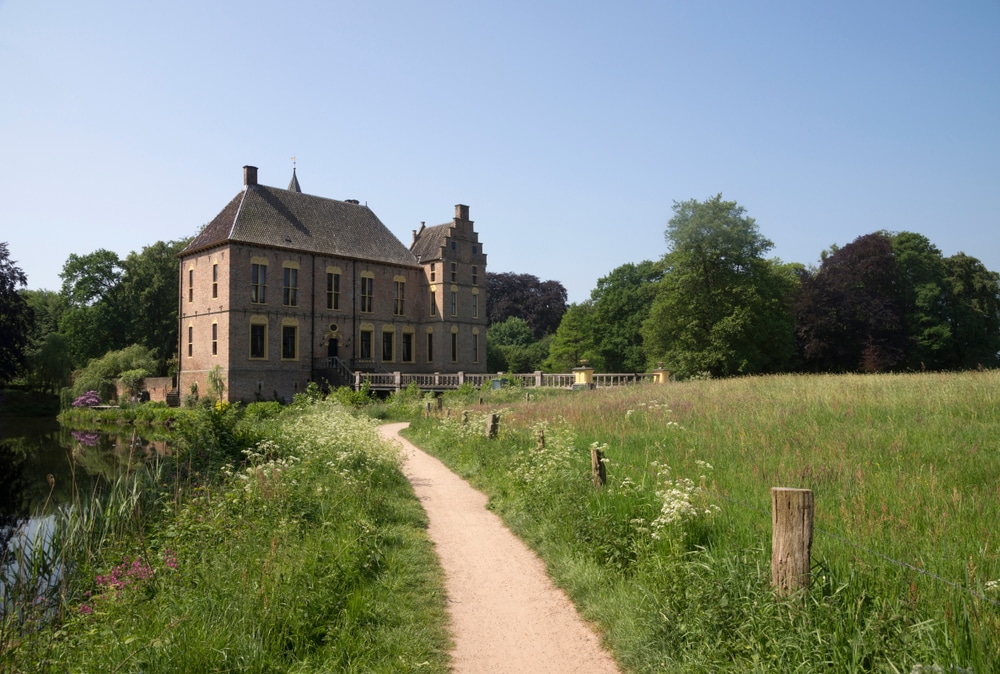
(461, 212)
(249, 176)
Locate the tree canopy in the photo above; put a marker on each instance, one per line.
(15, 316)
(540, 303)
(721, 307)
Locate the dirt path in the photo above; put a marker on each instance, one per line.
(506, 615)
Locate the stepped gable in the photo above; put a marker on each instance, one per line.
(430, 241)
(277, 218)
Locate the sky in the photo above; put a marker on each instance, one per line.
(569, 128)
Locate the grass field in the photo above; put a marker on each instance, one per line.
(672, 557)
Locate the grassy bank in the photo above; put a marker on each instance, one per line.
(672, 557)
(307, 552)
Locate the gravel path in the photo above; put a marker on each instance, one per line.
(506, 615)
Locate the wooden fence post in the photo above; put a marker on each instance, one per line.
(791, 538)
(492, 425)
(427, 409)
(598, 471)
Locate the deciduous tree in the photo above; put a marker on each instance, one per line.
(850, 312)
(15, 316)
(721, 308)
(540, 303)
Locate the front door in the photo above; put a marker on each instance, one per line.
(331, 348)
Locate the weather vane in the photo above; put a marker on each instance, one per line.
(293, 161)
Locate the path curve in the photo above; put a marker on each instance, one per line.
(506, 614)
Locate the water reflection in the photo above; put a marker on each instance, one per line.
(43, 467)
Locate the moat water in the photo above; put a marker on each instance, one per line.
(45, 467)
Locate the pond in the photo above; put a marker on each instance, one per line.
(45, 466)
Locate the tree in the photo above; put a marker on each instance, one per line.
(540, 303)
(974, 312)
(510, 347)
(100, 373)
(621, 303)
(721, 308)
(149, 291)
(574, 340)
(924, 296)
(850, 312)
(96, 318)
(15, 316)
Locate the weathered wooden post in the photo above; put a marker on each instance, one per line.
(527, 396)
(440, 402)
(427, 408)
(598, 471)
(492, 425)
(791, 538)
(540, 437)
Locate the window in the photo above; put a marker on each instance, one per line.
(215, 280)
(190, 340)
(454, 272)
(290, 286)
(430, 347)
(475, 305)
(407, 347)
(475, 249)
(454, 303)
(190, 285)
(367, 336)
(434, 303)
(258, 282)
(398, 287)
(433, 272)
(475, 275)
(475, 346)
(289, 342)
(367, 291)
(215, 339)
(258, 339)
(388, 346)
(333, 290)
(454, 347)
(454, 246)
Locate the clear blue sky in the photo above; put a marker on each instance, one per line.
(569, 128)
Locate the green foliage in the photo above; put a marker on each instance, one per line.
(100, 373)
(309, 553)
(721, 307)
(149, 292)
(511, 347)
(621, 303)
(132, 381)
(15, 316)
(574, 340)
(216, 382)
(49, 363)
(974, 292)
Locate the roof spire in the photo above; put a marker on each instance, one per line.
(293, 186)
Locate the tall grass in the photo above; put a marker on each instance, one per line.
(672, 558)
(308, 554)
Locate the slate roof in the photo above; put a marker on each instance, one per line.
(276, 218)
(430, 241)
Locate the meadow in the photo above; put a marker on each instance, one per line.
(672, 557)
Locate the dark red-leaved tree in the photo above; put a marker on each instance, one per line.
(849, 312)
